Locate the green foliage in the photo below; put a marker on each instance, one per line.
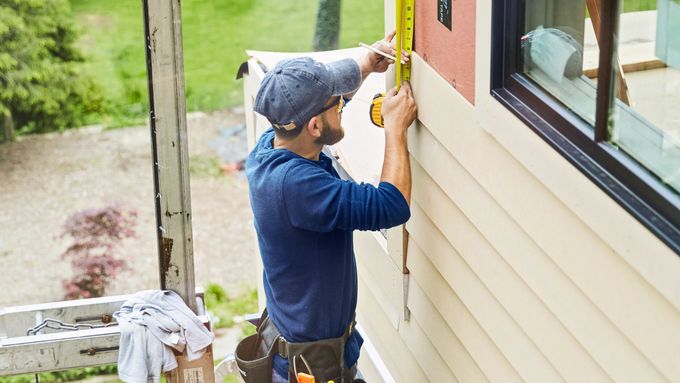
(223, 308)
(41, 85)
(63, 376)
(216, 34)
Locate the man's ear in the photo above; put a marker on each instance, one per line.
(314, 127)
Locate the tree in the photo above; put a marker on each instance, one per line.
(7, 126)
(327, 25)
(41, 85)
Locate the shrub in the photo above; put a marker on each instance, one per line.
(41, 84)
(223, 308)
(97, 234)
(63, 376)
(205, 166)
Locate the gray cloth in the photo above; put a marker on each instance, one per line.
(153, 323)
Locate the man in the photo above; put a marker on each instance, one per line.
(305, 214)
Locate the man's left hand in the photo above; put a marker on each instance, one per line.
(374, 62)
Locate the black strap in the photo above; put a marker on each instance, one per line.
(279, 345)
(284, 345)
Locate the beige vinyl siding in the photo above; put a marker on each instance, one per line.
(378, 310)
(521, 269)
(551, 295)
(554, 290)
(377, 271)
(397, 356)
(438, 308)
(382, 275)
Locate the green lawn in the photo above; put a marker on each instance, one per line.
(216, 34)
(638, 5)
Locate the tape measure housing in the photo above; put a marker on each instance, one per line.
(375, 110)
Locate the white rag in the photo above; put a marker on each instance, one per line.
(152, 323)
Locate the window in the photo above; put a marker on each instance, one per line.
(599, 80)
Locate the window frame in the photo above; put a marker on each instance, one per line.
(626, 181)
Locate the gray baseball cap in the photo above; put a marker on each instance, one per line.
(297, 89)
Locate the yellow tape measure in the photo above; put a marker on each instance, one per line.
(405, 20)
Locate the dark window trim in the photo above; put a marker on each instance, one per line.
(628, 183)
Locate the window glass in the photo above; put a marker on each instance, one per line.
(560, 52)
(645, 120)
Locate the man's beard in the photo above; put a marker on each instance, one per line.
(329, 136)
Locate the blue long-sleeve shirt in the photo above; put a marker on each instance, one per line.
(304, 218)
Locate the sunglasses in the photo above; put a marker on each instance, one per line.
(339, 103)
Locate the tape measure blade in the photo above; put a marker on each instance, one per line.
(405, 23)
(399, 14)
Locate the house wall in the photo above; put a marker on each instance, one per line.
(450, 52)
(521, 269)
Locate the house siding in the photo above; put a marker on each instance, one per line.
(521, 269)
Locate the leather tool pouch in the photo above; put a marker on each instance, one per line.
(254, 358)
(326, 358)
(255, 355)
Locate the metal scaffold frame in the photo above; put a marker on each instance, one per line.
(94, 341)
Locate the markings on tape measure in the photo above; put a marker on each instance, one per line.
(405, 21)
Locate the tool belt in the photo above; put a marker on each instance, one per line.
(326, 358)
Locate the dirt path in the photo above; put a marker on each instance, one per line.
(46, 178)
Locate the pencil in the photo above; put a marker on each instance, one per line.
(378, 51)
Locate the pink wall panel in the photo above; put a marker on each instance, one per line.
(450, 52)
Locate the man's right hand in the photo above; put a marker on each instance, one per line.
(399, 112)
(399, 109)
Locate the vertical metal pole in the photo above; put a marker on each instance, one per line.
(165, 71)
(605, 85)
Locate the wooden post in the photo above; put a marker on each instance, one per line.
(621, 85)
